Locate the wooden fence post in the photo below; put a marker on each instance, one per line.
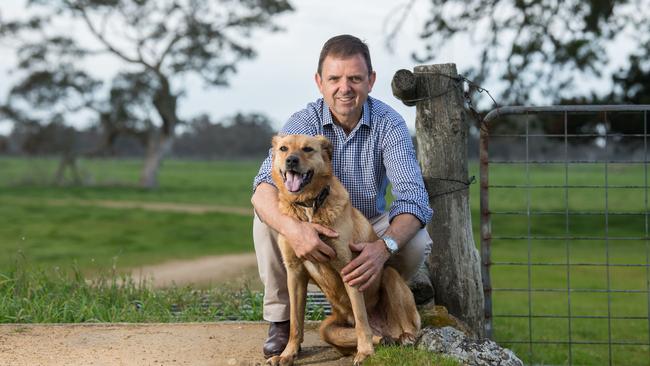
(442, 131)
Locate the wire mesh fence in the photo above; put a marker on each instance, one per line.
(565, 241)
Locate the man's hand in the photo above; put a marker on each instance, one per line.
(364, 269)
(306, 243)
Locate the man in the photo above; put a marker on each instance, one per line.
(372, 147)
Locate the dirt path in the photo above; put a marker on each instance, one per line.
(202, 272)
(193, 344)
(154, 206)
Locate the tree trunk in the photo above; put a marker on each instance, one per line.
(160, 142)
(442, 134)
(68, 160)
(158, 146)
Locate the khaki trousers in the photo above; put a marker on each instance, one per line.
(274, 276)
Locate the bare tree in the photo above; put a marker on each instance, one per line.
(156, 42)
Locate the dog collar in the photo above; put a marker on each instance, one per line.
(317, 202)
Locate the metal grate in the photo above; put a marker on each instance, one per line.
(317, 303)
(565, 244)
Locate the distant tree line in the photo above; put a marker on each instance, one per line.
(242, 136)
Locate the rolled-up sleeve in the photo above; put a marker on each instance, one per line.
(301, 122)
(264, 174)
(404, 174)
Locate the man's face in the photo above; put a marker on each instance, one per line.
(345, 85)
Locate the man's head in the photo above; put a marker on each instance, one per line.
(344, 46)
(345, 77)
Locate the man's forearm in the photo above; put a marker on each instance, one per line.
(403, 228)
(302, 236)
(265, 202)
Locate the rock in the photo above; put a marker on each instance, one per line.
(453, 343)
(437, 316)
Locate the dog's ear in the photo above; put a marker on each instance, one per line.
(275, 140)
(326, 146)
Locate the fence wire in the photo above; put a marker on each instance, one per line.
(565, 244)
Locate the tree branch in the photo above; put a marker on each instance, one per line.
(107, 44)
(167, 50)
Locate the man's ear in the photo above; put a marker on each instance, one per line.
(319, 82)
(371, 80)
(326, 146)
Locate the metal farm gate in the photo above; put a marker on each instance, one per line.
(565, 244)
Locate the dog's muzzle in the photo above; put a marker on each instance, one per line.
(294, 179)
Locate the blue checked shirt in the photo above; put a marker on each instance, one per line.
(378, 151)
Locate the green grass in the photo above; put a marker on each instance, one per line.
(91, 237)
(28, 295)
(227, 183)
(596, 288)
(408, 356)
(33, 296)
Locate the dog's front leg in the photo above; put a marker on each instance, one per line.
(297, 279)
(361, 325)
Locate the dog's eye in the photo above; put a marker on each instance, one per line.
(307, 149)
(283, 148)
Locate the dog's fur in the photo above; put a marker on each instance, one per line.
(386, 311)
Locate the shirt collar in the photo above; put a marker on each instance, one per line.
(365, 114)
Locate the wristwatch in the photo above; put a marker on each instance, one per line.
(391, 244)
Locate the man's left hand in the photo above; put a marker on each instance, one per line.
(363, 270)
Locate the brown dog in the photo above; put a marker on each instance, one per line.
(308, 191)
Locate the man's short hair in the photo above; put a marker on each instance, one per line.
(344, 46)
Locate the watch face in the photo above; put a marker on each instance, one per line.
(391, 244)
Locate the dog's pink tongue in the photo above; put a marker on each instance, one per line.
(293, 182)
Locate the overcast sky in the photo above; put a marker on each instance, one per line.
(280, 80)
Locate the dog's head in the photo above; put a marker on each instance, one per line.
(301, 162)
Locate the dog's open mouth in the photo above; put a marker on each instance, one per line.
(295, 181)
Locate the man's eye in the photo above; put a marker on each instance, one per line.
(307, 149)
(283, 148)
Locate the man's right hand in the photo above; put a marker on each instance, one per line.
(302, 236)
(306, 243)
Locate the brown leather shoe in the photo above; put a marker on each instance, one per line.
(277, 340)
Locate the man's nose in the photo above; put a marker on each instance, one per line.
(344, 86)
(292, 161)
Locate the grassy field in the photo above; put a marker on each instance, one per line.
(95, 237)
(227, 183)
(601, 257)
(608, 279)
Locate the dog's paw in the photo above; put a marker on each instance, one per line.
(360, 357)
(407, 339)
(273, 361)
(280, 361)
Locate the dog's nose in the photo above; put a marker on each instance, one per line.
(292, 161)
